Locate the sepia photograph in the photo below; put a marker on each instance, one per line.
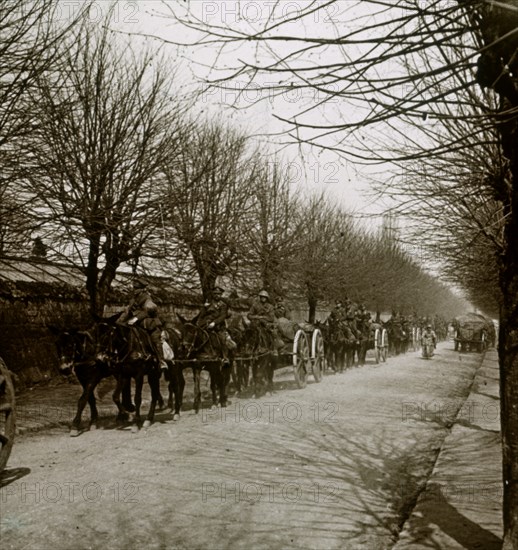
(259, 274)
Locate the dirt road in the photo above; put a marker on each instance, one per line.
(336, 465)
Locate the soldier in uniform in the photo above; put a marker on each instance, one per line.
(280, 309)
(143, 312)
(262, 310)
(337, 313)
(213, 316)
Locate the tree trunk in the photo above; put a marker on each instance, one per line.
(312, 303)
(508, 345)
(498, 69)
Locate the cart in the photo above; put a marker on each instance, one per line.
(380, 344)
(7, 414)
(305, 352)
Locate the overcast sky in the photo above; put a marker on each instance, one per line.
(311, 169)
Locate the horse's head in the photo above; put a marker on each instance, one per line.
(73, 346)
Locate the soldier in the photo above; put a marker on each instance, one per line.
(213, 316)
(262, 310)
(337, 313)
(143, 312)
(280, 309)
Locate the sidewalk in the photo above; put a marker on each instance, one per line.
(461, 506)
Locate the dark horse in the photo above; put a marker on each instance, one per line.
(130, 350)
(336, 342)
(78, 351)
(201, 350)
(260, 344)
(108, 349)
(240, 358)
(397, 336)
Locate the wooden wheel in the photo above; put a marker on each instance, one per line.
(384, 344)
(317, 354)
(377, 343)
(301, 358)
(7, 414)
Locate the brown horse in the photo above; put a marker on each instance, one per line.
(199, 350)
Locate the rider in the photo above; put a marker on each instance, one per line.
(143, 312)
(213, 316)
(338, 313)
(429, 333)
(280, 309)
(262, 310)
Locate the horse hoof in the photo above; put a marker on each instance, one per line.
(146, 424)
(74, 432)
(93, 427)
(176, 417)
(134, 429)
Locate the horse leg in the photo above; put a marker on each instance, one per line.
(122, 382)
(139, 383)
(178, 382)
(88, 388)
(215, 383)
(196, 371)
(126, 395)
(94, 414)
(224, 379)
(153, 379)
(270, 364)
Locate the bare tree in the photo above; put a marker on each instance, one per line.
(207, 192)
(272, 229)
(106, 122)
(30, 32)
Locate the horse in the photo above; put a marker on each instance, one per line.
(130, 351)
(336, 344)
(240, 359)
(174, 373)
(262, 341)
(365, 341)
(78, 352)
(199, 350)
(397, 337)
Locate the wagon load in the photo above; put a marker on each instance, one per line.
(471, 332)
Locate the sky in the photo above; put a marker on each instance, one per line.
(309, 169)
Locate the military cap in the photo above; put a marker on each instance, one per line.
(139, 282)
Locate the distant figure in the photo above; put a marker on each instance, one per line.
(39, 250)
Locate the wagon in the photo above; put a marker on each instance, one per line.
(380, 343)
(305, 351)
(7, 414)
(471, 332)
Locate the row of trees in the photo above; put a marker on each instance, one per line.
(114, 170)
(431, 87)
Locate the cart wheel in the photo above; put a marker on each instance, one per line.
(317, 354)
(377, 338)
(7, 414)
(384, 344)
(301, 358)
